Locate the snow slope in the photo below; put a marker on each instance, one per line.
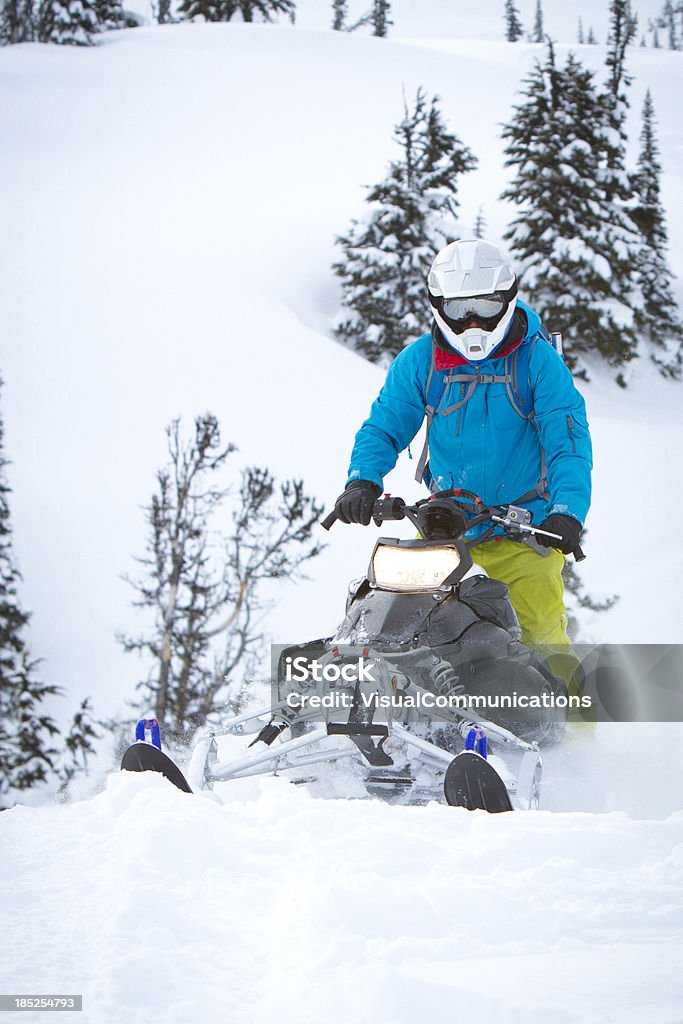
(169, 207)
(166, 909)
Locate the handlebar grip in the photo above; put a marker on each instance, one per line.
(578, 554)
(329, 520)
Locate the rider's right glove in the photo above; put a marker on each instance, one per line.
(355, 504)
(568, 528)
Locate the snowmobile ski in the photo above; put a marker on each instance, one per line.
(145, 757)
(473, 783)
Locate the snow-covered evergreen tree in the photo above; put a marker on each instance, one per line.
(264, 9)
(538, 34)
(162, 11)
(340, 14)
(226, 10)
(17, 22)
(513, 26)
(480, 224)
(411, 215)
(70, 22)
(27, 753)
(580, 36)
(622, 31)
(79, 743)
(209, 10)
(380, 17)
(667, 20)
(109, 14)
(592, 39)
(563, 233)
(658, 319)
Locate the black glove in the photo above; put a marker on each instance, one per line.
(355, 504)
(568, 528)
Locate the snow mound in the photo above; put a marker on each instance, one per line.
(162, 907)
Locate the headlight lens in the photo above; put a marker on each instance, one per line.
(411, 569)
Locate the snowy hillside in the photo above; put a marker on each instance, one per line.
(170, 201)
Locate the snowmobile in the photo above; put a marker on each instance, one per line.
(395, 696)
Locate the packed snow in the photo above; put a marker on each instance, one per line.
(170, 204)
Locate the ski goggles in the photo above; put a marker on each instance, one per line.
(477, 307)
(488, 310)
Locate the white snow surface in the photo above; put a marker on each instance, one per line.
(170, 201)
(161, 907)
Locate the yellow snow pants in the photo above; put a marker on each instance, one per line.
(537, 595)
(536, 589)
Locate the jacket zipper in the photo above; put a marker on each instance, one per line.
(457, 422)
(570, 431)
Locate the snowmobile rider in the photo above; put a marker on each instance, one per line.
(504, 420)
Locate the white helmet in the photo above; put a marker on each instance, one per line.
(472, 291)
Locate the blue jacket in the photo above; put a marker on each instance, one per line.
(486, 447)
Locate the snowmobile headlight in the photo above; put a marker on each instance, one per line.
(411, 569)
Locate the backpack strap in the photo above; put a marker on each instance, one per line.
(521, 399)
(516, 379)
(435, 389)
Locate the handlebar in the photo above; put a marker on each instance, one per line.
(513, 519)
(329, 520)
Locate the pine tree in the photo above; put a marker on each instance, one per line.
(340, 11)
(657, 320)
(623, 28)
(163, 12)
(513, 26)
(669, 22)
(563, 231)
(27, 753)
(79, 743)
(69, 22)
(538, 33)
(580, 37)
(225, 10)
(109, 14)
(655, 39)
(266, 9)
(207, 598)
(380, 17)
(620, 236)
(209, 10)
(17, 23)
(591, 40)
(386, 256)
(480, 224)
